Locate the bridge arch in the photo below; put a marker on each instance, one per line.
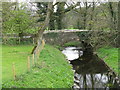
(60, 37)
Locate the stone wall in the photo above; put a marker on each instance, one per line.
(60, 38)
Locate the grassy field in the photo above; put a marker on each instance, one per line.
(110, 55)
(17, 55)
(0, 66)
(51, 71)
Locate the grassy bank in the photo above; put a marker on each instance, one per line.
(17, 55)
(51, 71)
(110, 56)
(72, 43)
(68, 44)
(0, 67)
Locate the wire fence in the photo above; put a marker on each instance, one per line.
(31, 60)
(17, 40)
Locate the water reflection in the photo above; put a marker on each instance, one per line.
(90, 71)
(72, 53)
(101, 80)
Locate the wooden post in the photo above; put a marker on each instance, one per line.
(33, 41)
(14, 73)
(39, 50)
(33, 59)
(37, 54)
(28, 63)
(43, 43)
(19, 40)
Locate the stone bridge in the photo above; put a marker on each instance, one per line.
(60, 37)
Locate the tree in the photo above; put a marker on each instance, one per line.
(91, 16)
(6, 8)
(46, 23)
(42, 10)
(61, 11)
(55, 17)
(113, 15)
(59, 14)
(83, 10)
(118, 39)
(17, 21)
(39, 35)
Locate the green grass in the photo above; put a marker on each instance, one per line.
(72, 43)
(110, 56)
(17, 55)
(51, 71)
(0, 66)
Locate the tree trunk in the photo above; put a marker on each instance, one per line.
(60, 12)
(21, 36)
(46, 23)
(47, 19)
(52, 23)
(91, 17)
(113, 17)
(85, 15)
(118, 39)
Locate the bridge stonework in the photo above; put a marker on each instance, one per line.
(61, 37)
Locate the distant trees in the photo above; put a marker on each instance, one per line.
(16, 20)
(90, 15)
(43, 12)
(61, 11)
(83, 15)
(87, 15)
(98, 16)
(57, 13)
(113, 15)
(94, 15)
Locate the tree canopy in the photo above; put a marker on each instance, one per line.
(17, 20)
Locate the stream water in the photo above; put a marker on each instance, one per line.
(90, 71)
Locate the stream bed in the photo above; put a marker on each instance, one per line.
(90, 71)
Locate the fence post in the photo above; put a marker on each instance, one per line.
(33, 41)
(19, 40)
(38, 52)
(28, 63)
(14, 73)
(36, 55)
(43, 43)
(33, 59)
